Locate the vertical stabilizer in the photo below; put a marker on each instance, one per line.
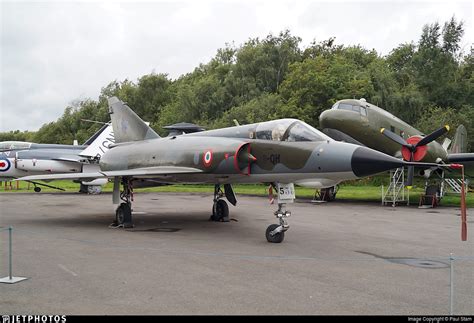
(100, 143)
(459, 144)
(126, 124)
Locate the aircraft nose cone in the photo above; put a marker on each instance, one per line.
(366, 162)
(325, 119)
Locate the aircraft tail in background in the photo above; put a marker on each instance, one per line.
(99, 143)
(459, 144)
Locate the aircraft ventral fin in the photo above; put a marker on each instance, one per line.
(148, 171)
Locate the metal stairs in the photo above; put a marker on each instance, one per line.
(455, 185)
(396, 191)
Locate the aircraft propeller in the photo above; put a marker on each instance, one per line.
(414, 148)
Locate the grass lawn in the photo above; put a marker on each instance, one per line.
(358, 192)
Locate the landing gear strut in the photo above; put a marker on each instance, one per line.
(220, 209)
(328, 194)
(276, 233)
(123, 214)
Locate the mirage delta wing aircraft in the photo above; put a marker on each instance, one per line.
(359, 122)
(279, 152)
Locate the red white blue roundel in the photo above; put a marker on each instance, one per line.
(207, 158)
(4, 165)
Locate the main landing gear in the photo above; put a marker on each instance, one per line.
(276, 232)
(123, 214)
(220, 209)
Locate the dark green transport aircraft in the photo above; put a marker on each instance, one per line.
(359, 122)
(279, 152)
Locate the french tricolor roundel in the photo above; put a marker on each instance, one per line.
(4, 165)
(207, 158)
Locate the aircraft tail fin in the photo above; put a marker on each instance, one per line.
(459, 144)
(99, 143)
(127, 124)
(95, 135)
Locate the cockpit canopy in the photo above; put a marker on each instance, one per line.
(288, 130)
(14, 145)
(350, 107)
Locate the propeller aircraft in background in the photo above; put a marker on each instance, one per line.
(359, 122)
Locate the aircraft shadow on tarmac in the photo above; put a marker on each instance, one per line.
(166, 222)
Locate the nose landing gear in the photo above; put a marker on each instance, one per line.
(276, 232)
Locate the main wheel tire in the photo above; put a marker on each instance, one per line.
(276, 238)
(123, 215)
(328, 194)
(220, 211)
(37, 189)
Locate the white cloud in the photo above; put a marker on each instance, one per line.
(55, 52)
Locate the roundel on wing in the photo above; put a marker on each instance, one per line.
(4, 165)
(207, 158)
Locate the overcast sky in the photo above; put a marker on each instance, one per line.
(53, 53)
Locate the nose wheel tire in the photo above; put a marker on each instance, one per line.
(276, 237)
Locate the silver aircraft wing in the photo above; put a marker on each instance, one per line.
(146, 171)
(51, 177)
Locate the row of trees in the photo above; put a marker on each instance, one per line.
(427, 84)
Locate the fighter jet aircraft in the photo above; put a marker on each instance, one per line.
(280, 152)
(19, 159)
(362, 123)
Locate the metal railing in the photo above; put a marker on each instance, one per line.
(396, 191)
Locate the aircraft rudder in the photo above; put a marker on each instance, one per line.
(98, 144)
(95, 135)
(459, 144)
(127, 125)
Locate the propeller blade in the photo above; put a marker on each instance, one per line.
(395, 138)
(433, 136)
(411, 172)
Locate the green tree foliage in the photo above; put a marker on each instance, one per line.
(265, 107)
(16, 135)
(437, 117)
(316, 83)
(427, 84)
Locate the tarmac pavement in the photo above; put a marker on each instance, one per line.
(337, 258)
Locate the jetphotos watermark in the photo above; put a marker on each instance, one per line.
(33, 319)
